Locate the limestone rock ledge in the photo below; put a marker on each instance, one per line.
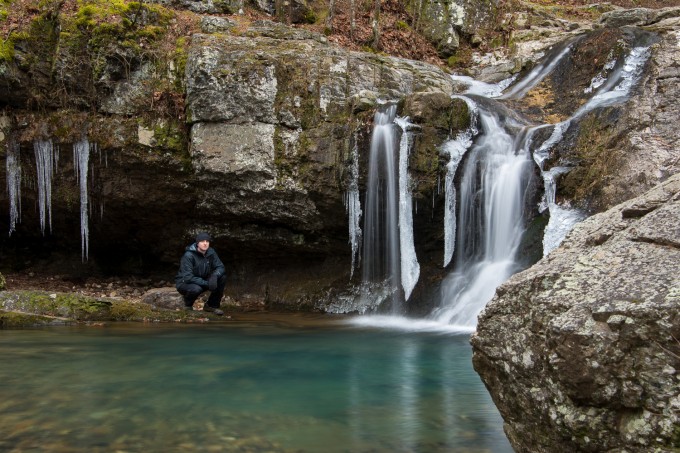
(580, 352)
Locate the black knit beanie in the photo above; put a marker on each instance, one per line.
(203, 237)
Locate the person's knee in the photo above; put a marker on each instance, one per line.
(190, 290)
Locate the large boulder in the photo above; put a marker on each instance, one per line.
(581, 351)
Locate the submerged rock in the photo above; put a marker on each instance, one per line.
(581, 351)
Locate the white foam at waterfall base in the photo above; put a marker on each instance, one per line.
(81, 158)
(410, 269)
(401, 323)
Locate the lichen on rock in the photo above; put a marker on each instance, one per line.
(597, 321)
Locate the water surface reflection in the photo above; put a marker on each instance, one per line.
(242, 387)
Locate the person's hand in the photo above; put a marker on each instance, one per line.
(212, 282)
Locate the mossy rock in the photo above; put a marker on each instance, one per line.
(39, 308)
(15, 320)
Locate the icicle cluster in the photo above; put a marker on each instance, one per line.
(45, 163)
(13, 165)
(353, 206)
(81, 157)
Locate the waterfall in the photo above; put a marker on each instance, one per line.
(380, 259)
(619, 83)
(353, 206)
(45, 165)
(81, 157)
(493, 189)
(410, 269)
(538, 73)
(611, 86)
(455, 150)
(494, 184)
(389, 262)
(13, 165)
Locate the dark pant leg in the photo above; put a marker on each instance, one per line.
(216, 296)
(190, 291)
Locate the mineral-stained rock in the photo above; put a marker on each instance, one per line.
(580, 352)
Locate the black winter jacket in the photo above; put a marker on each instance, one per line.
(196, 268)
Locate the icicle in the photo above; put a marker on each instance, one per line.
(562, 219)
(353, 205)
(619, 83)
(81, 156)
(410, 269)
(44, 162)
(455, 149)
(542, 153)
(13, 165)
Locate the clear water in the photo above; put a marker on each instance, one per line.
(242, 387)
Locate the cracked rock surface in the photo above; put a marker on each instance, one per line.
(581, 351)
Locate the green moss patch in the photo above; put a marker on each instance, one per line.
(31, 308)
(15, 320)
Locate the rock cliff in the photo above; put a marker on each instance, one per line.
(243, 131)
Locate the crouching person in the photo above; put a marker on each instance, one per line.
(200, 270)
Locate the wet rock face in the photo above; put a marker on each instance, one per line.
(261, 163)
(581, 350)
(273, 120)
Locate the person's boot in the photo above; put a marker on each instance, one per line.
(210, 309)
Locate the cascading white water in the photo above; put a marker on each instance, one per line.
(612, 85)
(455, 150)
(537, 74)
(491, 222)
(81, 158)
(493, 190)
(44, 164)
(13, 166)
(380, 258)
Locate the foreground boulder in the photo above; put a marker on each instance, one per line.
(581, 352)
